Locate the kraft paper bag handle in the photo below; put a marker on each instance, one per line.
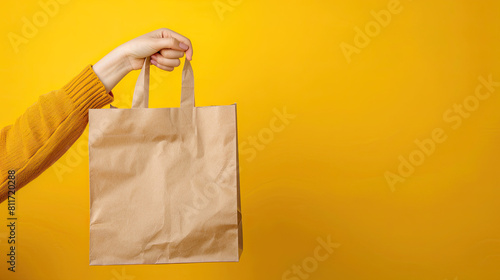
(141, 91)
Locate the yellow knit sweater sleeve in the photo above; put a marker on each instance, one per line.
(48, 128)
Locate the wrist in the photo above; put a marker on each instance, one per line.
(112, 68)
(122, 58)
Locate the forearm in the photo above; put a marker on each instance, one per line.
(48, 128)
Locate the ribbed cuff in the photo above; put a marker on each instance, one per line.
(87, 91)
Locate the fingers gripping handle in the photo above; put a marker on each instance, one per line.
(141, 92)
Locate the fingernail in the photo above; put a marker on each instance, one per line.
(183, 46)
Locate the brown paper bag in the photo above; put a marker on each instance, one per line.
(164, 182)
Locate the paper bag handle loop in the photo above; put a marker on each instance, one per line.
(141, 91)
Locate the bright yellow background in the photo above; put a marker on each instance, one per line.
(323, 175)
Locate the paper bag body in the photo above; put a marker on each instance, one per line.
(164, 185)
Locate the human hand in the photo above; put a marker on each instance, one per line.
(165, 47)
